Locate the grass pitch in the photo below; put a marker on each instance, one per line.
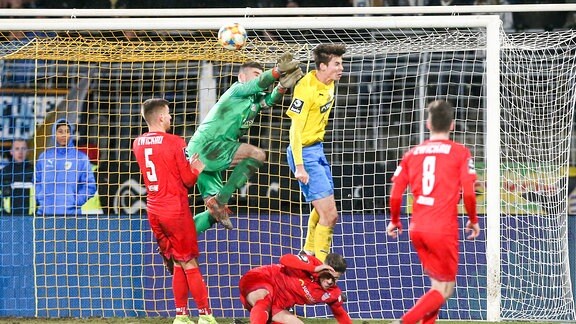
(157, 320)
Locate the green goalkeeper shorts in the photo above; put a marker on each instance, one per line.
(217, 155)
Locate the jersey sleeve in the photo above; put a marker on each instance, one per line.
(399, 185)
(272, 98)
(300, 262)
(468, 181)
(340, 313)
(298, 113)
(259, 84)
(189, 177)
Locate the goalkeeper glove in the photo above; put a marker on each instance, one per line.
(289, 80)
(285, 64)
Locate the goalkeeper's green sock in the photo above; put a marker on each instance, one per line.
(242, 172)
(311, 231)
(322, 241)
(203, 221)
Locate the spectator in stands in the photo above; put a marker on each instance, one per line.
(92, 206)
(16, 182)
(74, 4)
(64, 177)
(17, 4)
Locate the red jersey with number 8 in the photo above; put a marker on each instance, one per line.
(436, 170)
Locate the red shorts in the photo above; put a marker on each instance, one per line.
(438, 254)
(176, 234)
(251, 281)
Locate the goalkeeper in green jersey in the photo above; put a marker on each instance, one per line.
(216, 138)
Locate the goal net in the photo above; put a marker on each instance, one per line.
(103, 262)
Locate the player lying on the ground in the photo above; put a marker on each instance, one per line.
(268, 291)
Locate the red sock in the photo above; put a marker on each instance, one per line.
(199, 291)
(431, 317)
(180, 289)
(260, 312)
(431, 301)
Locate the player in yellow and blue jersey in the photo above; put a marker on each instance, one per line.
(309, 111)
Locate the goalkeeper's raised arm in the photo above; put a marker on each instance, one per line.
(252, 81)
(216, 138)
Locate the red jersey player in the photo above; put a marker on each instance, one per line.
(268, 291)
(438, 171)
(167, 176)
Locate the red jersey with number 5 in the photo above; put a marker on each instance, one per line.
(165, 170)
(437, 172)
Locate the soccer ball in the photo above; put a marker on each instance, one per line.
(232, 36)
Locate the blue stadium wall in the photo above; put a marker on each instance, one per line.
(19, 253)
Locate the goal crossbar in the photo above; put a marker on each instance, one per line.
(316, 11)
(93, 24)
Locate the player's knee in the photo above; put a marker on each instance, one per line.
(254, 296)
(190, 264)
(286, 317)
(448, 290)
(328, 217)
(332, 216)
(332, 221)
(447, 293)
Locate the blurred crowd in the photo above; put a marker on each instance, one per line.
(104, 4)
(521, 21)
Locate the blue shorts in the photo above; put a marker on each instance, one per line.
(320, 184)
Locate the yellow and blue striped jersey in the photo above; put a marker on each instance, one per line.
(311, 104)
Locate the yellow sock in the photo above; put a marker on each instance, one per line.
(323, 240)
(310, 232)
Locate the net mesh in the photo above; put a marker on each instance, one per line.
(103, 262)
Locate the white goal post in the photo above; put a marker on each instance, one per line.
(438, 44)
